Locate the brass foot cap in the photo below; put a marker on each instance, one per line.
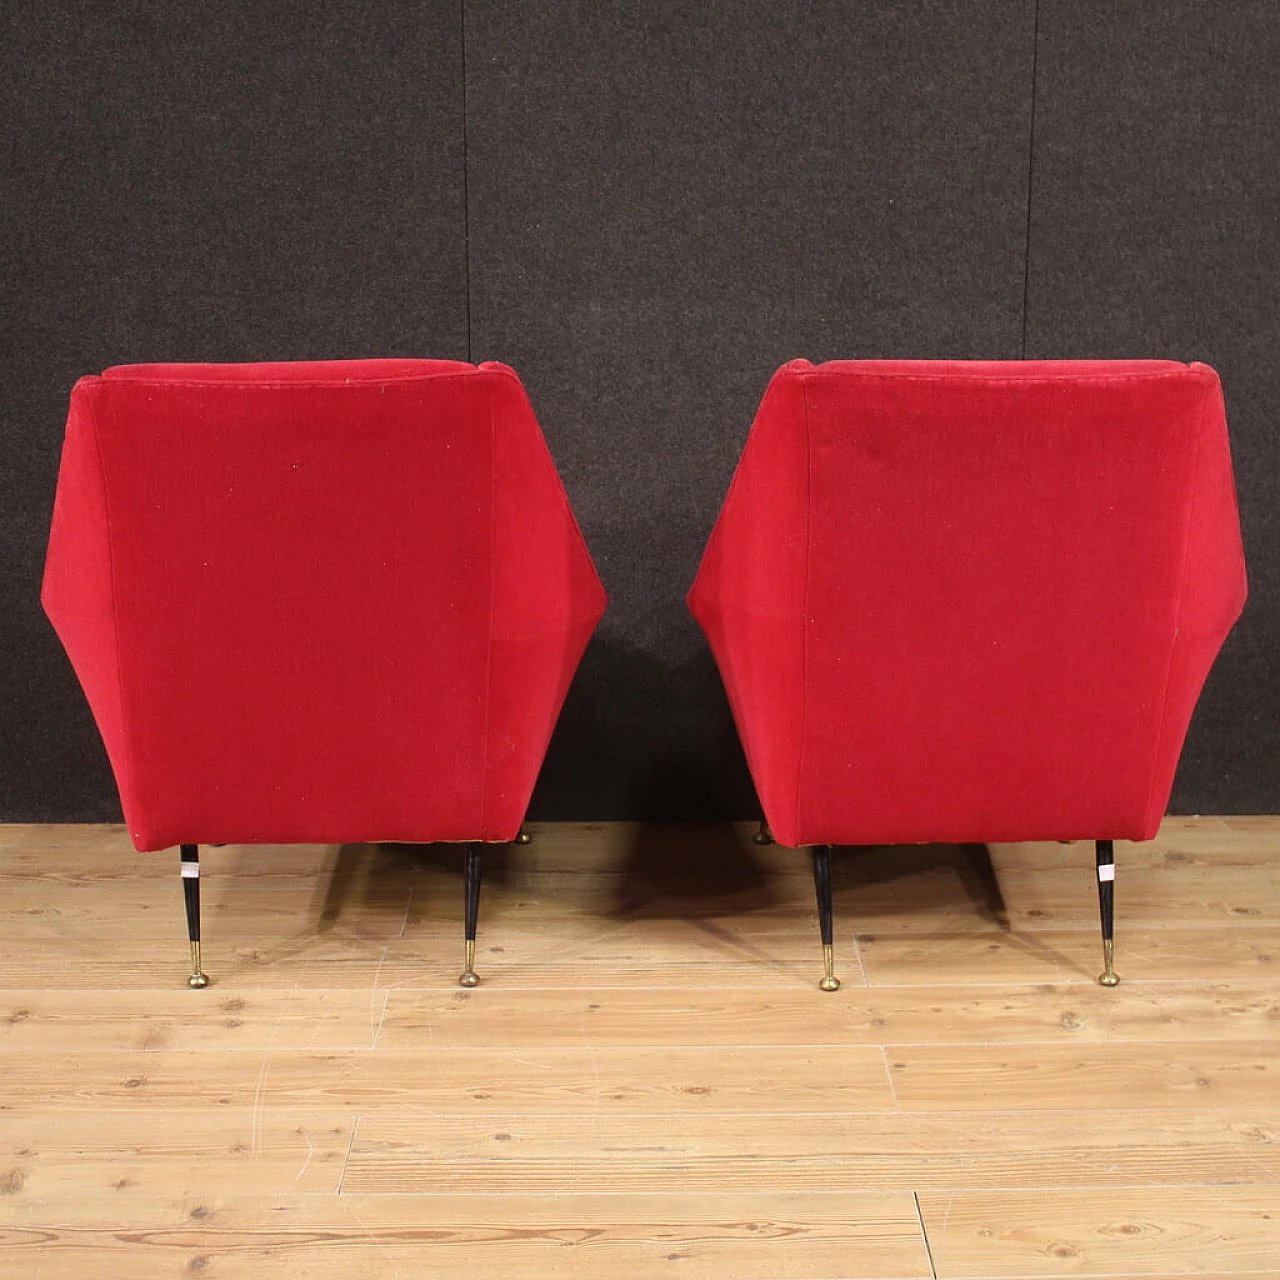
(524, 838)
(198, 980)
(1108, 980)
(762, 837)
(830, 984)
(469, 979)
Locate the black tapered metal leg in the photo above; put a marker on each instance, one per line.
(1107, 908)
(471, 915)
(822, 885)
(763, 835)
(191, 896)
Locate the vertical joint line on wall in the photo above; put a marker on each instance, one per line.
(466, 194)
(1031, 159)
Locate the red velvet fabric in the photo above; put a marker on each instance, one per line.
(328, 601)
(973, 600)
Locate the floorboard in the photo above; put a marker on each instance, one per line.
(647, 1081)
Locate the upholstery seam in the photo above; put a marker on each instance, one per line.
(275, 384)
(804, 608)
(1177, 603)
(1067, 379)
(575, 611)
(736, 481)
(493, 613)
(126, 730)
(544, 446)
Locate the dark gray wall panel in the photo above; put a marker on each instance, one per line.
(667, 201)
(230, 181)
(1154, 233)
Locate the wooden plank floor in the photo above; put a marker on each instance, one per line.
(647, 1082)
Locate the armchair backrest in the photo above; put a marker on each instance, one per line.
(973, 600)
(320, 601)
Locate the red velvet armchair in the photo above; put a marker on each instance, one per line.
(971, 601)
(334, 601)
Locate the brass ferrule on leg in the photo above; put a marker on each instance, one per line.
(198, 977)
(469, 977)
(1108, 977)
(829, 980)
(523, 837)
